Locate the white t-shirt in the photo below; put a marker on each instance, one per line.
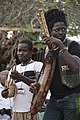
(4, 103)
(23, 99)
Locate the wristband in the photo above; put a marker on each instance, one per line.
(63, 50)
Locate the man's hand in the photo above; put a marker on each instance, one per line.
(52, 41)
(34, 87)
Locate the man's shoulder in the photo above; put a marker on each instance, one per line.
(38, 63)
(69, 43)
(18, 65)
(73, 42)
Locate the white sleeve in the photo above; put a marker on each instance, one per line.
(38, 68)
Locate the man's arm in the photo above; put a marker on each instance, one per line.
(69, 59)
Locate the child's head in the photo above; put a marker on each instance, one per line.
(3, 76)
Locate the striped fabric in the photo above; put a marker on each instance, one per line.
(23, 116)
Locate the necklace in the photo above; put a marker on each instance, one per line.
(24, 64)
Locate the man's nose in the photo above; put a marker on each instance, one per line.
(21, 52)
(60, 31)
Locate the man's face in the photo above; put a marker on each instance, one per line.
(59, 31)
(23, 52)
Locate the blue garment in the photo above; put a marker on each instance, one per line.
(40, 115)
(62, 109)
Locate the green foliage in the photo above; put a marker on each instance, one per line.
(20, 13)
(67, 1)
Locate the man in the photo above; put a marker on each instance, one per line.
(5, 104)
(62, 104)
(24, 75)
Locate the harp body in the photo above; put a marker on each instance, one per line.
(11, 86)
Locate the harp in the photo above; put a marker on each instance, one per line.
(10, 84)
(50, 63)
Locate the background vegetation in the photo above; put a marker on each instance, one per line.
(23, 14)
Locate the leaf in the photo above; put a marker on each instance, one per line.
(67, 1)
(28, 28)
